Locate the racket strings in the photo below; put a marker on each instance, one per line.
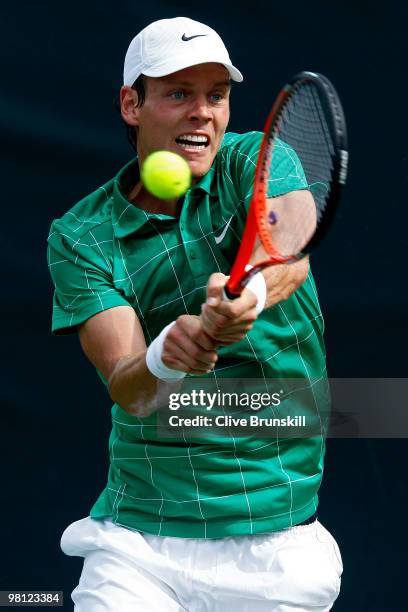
(303, 131)
(304, 127)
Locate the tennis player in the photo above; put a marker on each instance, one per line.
(229, 524)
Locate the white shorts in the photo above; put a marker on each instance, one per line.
(297, 569)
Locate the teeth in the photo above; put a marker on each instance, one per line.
(191, 147)
(193, 138)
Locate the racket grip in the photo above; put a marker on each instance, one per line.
(227, 295)
(256, 284)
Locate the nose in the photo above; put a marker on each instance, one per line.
(200, 109)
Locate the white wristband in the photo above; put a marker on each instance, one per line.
(257, 285)
(154, 359)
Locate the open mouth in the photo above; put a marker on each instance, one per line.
(193, 142)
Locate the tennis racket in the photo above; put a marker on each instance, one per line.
(307, 118)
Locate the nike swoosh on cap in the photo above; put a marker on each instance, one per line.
(221, 237)
(185, 38)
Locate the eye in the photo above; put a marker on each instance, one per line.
(217, 97)
(177, 95)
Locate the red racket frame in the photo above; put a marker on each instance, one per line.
(257, 224)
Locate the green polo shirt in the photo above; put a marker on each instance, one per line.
(106, 252)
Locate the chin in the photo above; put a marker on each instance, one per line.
(198, 170)
(196, 175)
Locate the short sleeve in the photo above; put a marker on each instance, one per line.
(81, 271)
(286, 172)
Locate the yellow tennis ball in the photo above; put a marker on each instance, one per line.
(166, 175)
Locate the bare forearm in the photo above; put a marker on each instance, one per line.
(133, 386)
(283, 280)
(142, 381)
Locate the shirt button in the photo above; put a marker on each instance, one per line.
(193, 255)
(181, 226)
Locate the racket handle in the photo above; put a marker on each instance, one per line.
(256, 284)
(227, 295)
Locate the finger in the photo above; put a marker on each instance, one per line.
(205, 341)
(178, 360)
(183, 367)
(234, 332)
(241, 328)
(234, 309)
(248, 317)
(215, 288)
(188, 352)
(211, 320)
(192, 328)
(246, 301)
(214, 323)
(230, 340)
(232, 337)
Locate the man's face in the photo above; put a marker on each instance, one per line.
(186, 112)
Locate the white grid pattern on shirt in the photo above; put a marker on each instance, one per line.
(121, 491)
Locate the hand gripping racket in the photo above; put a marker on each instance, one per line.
(307, 118)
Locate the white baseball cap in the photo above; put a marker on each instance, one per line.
(169, 45)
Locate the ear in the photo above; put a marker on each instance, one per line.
(128, 108)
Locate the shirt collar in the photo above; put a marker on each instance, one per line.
(128, 218)
(206, 182)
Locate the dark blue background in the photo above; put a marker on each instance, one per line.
(62, 139)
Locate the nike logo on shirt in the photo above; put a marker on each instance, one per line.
(221, 237)
(185, 38)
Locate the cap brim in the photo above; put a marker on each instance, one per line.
(184, 62)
